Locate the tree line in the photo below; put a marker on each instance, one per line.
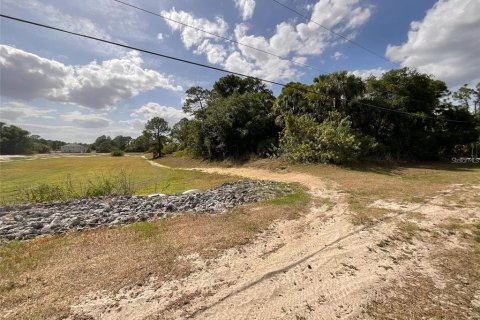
(153, 139)
(15, 140)
(338, 118)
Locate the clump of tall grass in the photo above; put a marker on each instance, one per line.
(98, 185)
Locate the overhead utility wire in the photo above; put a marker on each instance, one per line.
(246, 45)
(335, 33)
(218, 35)
(196, 63)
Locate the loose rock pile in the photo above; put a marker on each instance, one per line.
(29, 221)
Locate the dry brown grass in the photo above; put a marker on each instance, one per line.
(446, 291)
(402, 183)
(418, 297)
(42, 277)
(369, 182)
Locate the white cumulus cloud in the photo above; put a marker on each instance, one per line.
(136, 125)
(246, 7)
(190, 36)
(96, 85)
(14, 111)
(366, 73)
(90, 120)
(152, 109)
(446, 43)
(51, 14)
(290, 40)
(337, 55)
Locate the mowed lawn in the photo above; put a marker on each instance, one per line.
(18, 175)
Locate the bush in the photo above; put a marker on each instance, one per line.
(170, 148)
(117, 153)
(306, 140)
(41, 148)
(266, 147)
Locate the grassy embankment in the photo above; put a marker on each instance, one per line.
(41, 278)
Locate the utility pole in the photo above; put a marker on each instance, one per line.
(475, 117)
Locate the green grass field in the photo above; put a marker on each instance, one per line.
(19, 175)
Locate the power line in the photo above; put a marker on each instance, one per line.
(199, 64)
(336, 33)
(218, 35)
(135, 48)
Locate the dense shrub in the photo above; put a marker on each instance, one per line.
(306, 140)
(41, 148)
(117, 153)
(170, 148)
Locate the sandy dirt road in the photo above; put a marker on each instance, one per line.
(320, 266)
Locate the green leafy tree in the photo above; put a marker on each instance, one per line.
(235, 119)
(454, 137)
(407, 92)
(196, 99)
(14, 140)
(293, 100)
(231, 84)
(157, 131)
(234, 126)
(465, 95)
(469, 99)
(40, 145)
(121, 142)
(190, 134)
(103, 144)
(336, 91)
(140, 144)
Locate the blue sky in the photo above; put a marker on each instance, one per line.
(63, 87)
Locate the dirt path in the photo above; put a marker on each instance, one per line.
(317, 267)
(155, 164)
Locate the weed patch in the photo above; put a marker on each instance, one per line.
(146, 230)
(298, 195)
(98, 185)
